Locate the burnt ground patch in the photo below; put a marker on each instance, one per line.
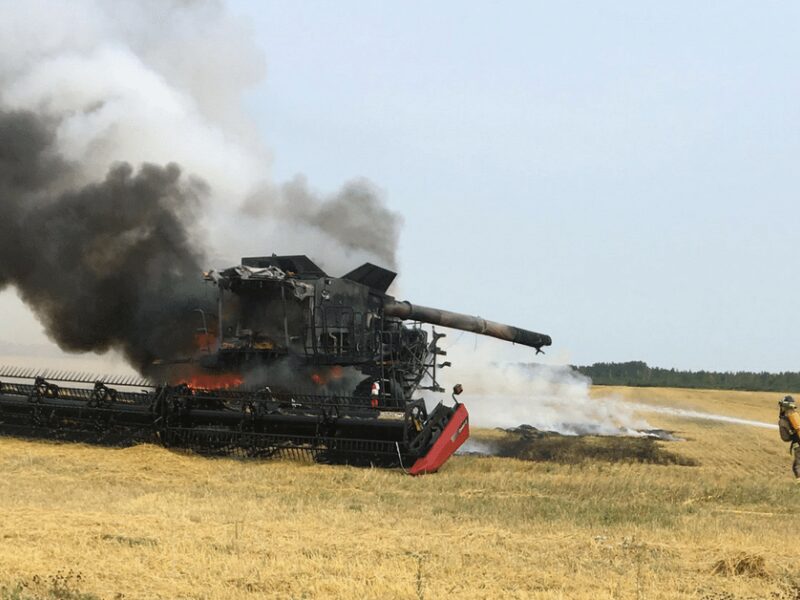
(540, 446)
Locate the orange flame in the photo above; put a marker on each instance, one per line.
(212, 381)
(335, 373)
(205, 341)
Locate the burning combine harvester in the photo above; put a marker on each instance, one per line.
(293, 361)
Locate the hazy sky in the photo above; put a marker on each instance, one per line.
(623, 177)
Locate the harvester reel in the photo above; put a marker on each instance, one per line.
(102, 396)
(42, 389)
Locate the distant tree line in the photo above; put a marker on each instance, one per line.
(638, 373)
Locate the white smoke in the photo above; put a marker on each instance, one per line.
(548, 397)
(163, 81)
(131, 81)
(553, 397)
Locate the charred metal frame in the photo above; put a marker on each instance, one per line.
(346, 321)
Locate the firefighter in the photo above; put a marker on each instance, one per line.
(789, 427)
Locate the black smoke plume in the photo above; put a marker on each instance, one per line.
(108, 265)
(355, 217)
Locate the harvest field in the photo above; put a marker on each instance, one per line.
(716, 520)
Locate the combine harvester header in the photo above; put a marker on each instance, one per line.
(356, 360)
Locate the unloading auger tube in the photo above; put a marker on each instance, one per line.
(446, 318)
